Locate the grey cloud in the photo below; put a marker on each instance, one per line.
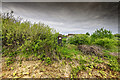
(69, 17)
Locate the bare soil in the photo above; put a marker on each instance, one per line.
(61, 69)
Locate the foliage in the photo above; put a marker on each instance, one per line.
(82, 61)
(64, 35)
(104, 38)
(106, 43)
(26, 38)
(71, 46)
(117, 35)
(96, 60)
(66, 52)
(113, 63)
(42, 56)
(77, 69)
(101, 33)
(118, 42)
(63, 40)
(39, 39)
(48, 60)
(87, 33)
(79, 39)
(10, 60)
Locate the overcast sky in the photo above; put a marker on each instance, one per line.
(68, 17)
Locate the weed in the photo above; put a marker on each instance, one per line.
(63, 62)
(42, 56)
(36, 54)
(12, 68)
(89, 73)
(14, 73)
(67, 53)
(96, 60)
(82, 61)
(102, 73)
(77, 69)
(9, 61)
(48, 60)
(113, 63)
(70, 64)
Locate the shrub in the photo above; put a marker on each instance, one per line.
(79, 39)
(106, 43)
(87, 34)
(118, 42)
(101, 33)
(117, 35)
(26, 37)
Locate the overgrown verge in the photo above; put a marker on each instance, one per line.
(101, 66)
(28, 41)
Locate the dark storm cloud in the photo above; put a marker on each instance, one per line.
(69, 17)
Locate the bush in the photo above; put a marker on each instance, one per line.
(101, 33)
(117, 35)
(118, 43)
(88, 33)
(79, 39)
(26, 37)
(106, 43)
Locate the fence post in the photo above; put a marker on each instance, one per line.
(60, 39)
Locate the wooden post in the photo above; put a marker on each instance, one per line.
(60, 39)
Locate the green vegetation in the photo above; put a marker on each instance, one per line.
(113, 63)
(26, 38)
(67, 52)
(101, 33)
(79, 39)
(87, 34)
(106, 43)
(40, 41)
